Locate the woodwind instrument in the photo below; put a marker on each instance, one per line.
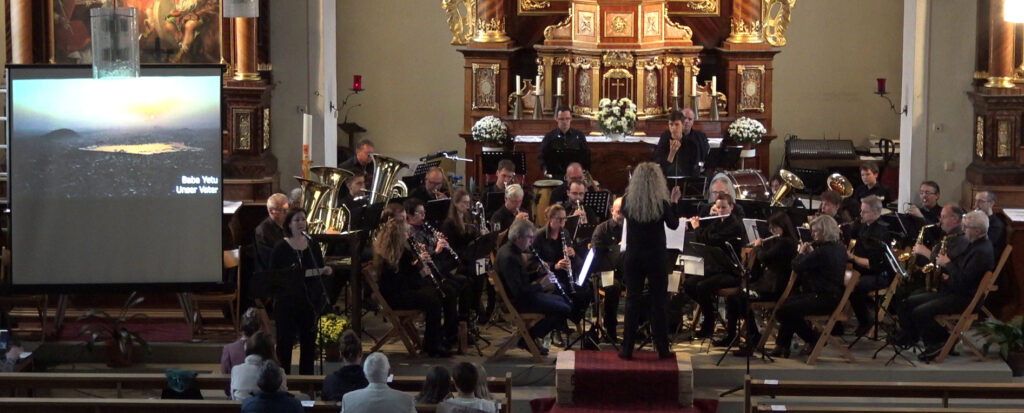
(565, 246)
(548, 273)
(933, 270)
(765, 239)
(478, 212)
(435, 273)
(438, 235)
(906, 256)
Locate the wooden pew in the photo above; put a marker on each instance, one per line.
(823, 409)
(871, 389)
(93, 405)
(28, 382)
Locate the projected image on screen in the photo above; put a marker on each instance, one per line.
(115, 181)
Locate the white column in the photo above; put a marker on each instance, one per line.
(914, 124)
(329, 81)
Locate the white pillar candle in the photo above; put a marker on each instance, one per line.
(558, 89)
(307, 130)
(675, 85)
(714, 85)
(519, 82)
(536, 86)
(694, 90)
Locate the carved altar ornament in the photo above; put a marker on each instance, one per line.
(751, 90)
(491, 31)
(461, 17)
(590, 24)
(744, 31)
(776, 15)
(485, 86)
(534, 4)
(617, 59)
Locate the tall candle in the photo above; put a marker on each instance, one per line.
(307, 131)
(536, 86)
(675, 85)
(558, 89)
(519, 83)
(714, 85)
(694, 90)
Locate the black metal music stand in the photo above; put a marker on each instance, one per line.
(744, 308)
(598, 201)
(595, 329)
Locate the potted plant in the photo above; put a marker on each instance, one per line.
(491, 132)
(1009, 336)
(113, 332)
(329, 329)
(748, 132)
(616, 118)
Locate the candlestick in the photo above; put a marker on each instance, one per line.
(558, 88)
(695, 106)
(714, 107)
(675, 86)
(693, 92)
(517, 104)
(714, 85)
(675, 103)
(538, 104)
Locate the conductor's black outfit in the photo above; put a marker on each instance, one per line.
(645, 260)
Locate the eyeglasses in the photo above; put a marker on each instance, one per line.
(926, 193)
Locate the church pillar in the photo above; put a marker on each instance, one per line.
(746, 22)
(1000, 66)
(245, 49)
(21, 31)
(490, 22)
(981, 42)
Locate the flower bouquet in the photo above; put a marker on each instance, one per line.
(616, 118)
(490, 130)
(747, 130)
(329, 332)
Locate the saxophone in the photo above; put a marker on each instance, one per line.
(906, 256)
(932, 270)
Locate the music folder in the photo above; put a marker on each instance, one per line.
(804, 234)
(756, 228)
(483, 245)
(755, 209)
(493, 201)
(571, 224)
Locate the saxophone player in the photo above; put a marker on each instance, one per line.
(960, 280)
(948, 235)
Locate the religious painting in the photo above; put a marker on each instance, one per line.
(485, 95)
(170, 31)
(618, 24)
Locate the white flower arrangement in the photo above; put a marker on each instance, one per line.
(747, 130)
(616, 117)
(490, 129)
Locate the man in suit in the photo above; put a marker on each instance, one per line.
(377, 397)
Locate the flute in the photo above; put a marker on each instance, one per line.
(765, 239)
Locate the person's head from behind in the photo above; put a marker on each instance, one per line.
(250, 323)
(277, 207)
(260, 344)
(481, 382)
(350, 347)
(465, 376)
(437, 386)
(376, 368)
(269, 377)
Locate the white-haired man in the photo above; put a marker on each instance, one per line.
(377, 397)
(512, 210)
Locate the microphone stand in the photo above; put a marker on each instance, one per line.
(744, 308)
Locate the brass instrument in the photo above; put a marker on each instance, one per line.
(790, 182)
(548, 273)
(429, 266)
(439, 236)
(933, 270)
(334, 217)
(906, 256)
(314, 195)
(583, 214)
(386, 184)
(853, 243)
(837, 182)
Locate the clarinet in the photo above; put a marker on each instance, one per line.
(439, 235)
(565, 245)
(549, 273)
(434, 271)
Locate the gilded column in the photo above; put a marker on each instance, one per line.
(245, 49)
(490, 22)
(21, 31)
(745, 24)
(1000, 61)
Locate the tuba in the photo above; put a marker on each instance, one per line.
(334, 217)
(386, 184)
(837, 182)
(314, 195)
(790, 182)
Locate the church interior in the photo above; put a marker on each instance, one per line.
(153, 239)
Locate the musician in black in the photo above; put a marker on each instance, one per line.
(984, 201)
(929, 209)
(768, 278)
(647, 211)
(298, 302)
(271, 231)
(454, 284)
(556, 248)
(820, 267)
(947, 234)
(608, 258)
(681, 150)
(404, 279)
(563, 145)
(506, 174)
(362, 161)
(869, 186)
(960, 279)
(530, 294)
(460, 229)
(502, 219)
(433, 187)
(574, 205)
(868, 258)
(830, 203)
(355, 200)
(573, 173)
(719, 272)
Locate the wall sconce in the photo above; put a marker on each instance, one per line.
(241, 8)
(881, 92)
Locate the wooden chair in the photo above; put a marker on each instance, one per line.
(883, 297)
(772, 306)
(231, 299)
(40, 302)
(824, 323)
(998, 270)
(958, 324)
(521, 321)
(401, 321)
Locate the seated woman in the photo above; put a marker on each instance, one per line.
(437, 386)
(719, 273)
(461, 228)
(466, 377)
(350, 376)
(555, 246)
(820, 266)
(772, 268)
(405, 281)
(244, 377)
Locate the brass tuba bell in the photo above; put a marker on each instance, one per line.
(790, 182)
(314, 196)
(333, 217)
(386, 184)
(837, 182)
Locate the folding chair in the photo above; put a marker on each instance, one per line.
(522, 321)
(401, 321)
(958, 324)
(231, 299)
(824, 324)
(999, 270)
(772, 306)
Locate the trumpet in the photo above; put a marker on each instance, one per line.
(583, 214)
(438, 235)
(548, 273)
(429, 266)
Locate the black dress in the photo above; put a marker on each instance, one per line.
(645, 260)
(298, 304)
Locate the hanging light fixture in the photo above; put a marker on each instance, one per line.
(115, 44)
(241, 8)
(1013, 11)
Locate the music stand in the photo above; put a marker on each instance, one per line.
(756, 228)
(493, 201)
(414, 181)
(899, 223)
(422, 168)
(814, 180)
(755, 209)
(572, 223)
(598, 201)
(489, 161)
(723, 157)
(689, 186)
(436, 211)
(804, 234)
(798, 216)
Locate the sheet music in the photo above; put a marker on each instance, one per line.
(231, 206)
(675, 238)
(1015, 214)
(622, 244)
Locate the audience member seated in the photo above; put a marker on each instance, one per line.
(377, 396)
(350, 375)
(437, 386)
(12, 356)
(481, 391)
(244, 377)
(271, 398)
(466, 378)
(234, 354)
